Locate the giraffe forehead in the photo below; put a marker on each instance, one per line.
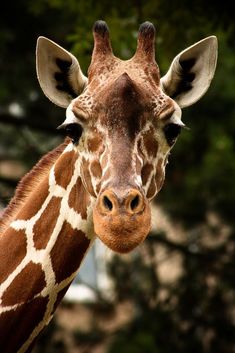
(124, 86)
(122, 99)
(119, 87)
(101, 82)
(110, 70)
(121, 107)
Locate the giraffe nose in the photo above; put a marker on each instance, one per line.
(122, 218)
(131, 202)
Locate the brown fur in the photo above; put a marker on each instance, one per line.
(33, 275)
(79, 199)
(74, 244)
(64, 179)
(39, 195)
(146, 170)
(150, 143)
(152, 188)
(44, 226)
(12, 333)
(28, 184)
(145, 46)
(96, 169)
(94, 142)
(12, 251)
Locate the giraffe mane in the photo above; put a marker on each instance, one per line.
(28, 183)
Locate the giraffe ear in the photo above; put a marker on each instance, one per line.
(58, 72)
(191, 72)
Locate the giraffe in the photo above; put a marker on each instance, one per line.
(121, 123)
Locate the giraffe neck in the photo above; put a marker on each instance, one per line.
(41, 249)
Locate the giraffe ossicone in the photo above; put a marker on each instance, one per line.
(121, 122)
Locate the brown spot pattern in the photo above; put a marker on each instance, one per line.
(98, 186)
(45, 225)
(17, 325)
(151, 189)
(94, 143)
(79, 199)
(95, 169)
(36, 201)
(12, 251)
(69, 250)
(150, 143)
(33, 279)
(64, 168)
(145, 173)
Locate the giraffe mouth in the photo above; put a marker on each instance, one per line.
(122, 223)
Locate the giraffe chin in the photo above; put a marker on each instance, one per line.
(122, 233)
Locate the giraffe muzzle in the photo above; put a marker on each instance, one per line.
(122, 219)
(111, 203)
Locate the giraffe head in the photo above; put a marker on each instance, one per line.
(123, 120)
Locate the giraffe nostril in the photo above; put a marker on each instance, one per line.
(107, 203)
(135, 202)
(114, 203)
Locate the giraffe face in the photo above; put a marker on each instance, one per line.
(129, 126)
(127, 119)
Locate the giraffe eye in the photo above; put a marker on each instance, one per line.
(74, 131)
(171, 132)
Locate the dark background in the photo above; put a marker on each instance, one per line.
(195, 311)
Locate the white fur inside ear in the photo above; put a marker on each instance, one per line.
(59, 72)
(191, 72)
